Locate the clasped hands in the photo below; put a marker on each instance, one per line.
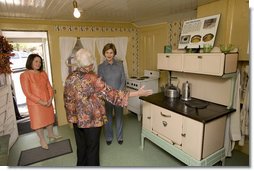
(45, 103)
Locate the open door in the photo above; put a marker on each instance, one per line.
(25, 43)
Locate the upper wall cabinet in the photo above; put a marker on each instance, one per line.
(211, 64)
(170, 61)
(215, 64)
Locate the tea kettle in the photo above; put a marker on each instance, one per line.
(186, 91)
(171, 91)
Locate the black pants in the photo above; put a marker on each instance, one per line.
(18, 116)
(88, 145)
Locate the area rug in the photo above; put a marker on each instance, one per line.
(39, 154)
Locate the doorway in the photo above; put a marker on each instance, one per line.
(25, 43)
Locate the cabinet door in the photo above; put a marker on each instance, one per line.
(192, 137)
(146, 110)
(211, 64)
(191, 63)
(167, 124)
(169, 61)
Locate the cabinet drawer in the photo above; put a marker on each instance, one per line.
(167, 124)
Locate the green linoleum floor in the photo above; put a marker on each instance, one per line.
(129, 154)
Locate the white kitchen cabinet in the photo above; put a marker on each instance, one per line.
(170, 61)
(209, 137)
(146, 116)
(215, 64)
(191, 141)
(192, 135)
(167, 124)
(210, 64)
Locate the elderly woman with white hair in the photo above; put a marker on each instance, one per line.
(84, 92)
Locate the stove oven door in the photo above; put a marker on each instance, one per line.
(134, 104)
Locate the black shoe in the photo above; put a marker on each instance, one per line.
(19, 117)
(108, 142)
(120, 142)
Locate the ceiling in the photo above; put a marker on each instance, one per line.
(139, 12)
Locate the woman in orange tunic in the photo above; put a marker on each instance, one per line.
(39, 94)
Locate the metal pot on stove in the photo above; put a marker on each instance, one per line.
(171, 91)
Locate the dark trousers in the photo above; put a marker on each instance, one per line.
(88, 145)
(18, 116)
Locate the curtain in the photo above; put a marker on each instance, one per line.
(121, 47)
(66, 46)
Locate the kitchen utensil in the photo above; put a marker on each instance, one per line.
(171, 91)
(186, 92)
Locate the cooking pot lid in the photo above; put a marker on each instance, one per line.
(196, 104)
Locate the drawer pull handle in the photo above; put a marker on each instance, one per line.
(164, 123)
(199, 57)
(183, 135)
(167, 56)
(167, 116)
(149, 117)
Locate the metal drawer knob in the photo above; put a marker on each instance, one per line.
(164, 123)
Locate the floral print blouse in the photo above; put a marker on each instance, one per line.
(83, 98)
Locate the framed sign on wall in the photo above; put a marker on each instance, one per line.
(198, 32)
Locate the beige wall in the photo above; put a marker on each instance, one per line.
(234, 23)
(152, 40)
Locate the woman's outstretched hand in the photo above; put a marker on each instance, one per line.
(143, 92)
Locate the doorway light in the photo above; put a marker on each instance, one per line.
(76, 12)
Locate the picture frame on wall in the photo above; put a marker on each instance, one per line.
(199, 32)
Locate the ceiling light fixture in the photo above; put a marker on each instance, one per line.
(76, 12)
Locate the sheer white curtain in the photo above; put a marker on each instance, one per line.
(121, 47)
(89, 44)
(66, 46)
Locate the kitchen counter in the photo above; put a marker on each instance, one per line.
(205, 111)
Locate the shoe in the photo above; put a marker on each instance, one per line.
(120, 142)
(19, 117)
(108, 142)
(54, 138)
(44, 145)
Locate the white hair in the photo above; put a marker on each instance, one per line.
(84, 58)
